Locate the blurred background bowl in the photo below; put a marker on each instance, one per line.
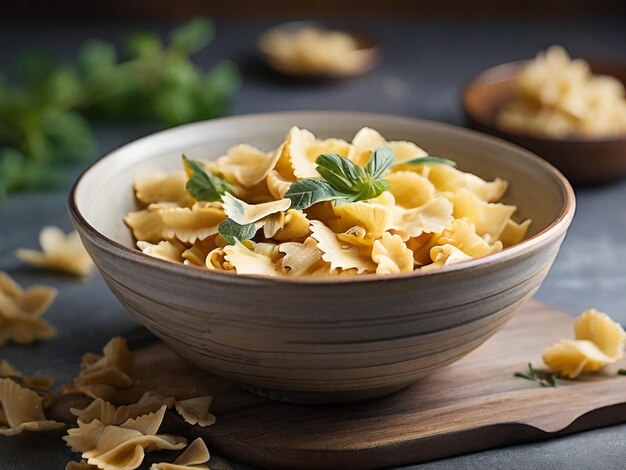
(322, 340)
(583, 161)
(367, 48)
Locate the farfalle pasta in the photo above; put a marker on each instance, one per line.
(558, 97)
(21, 312)
(322, 207)
(599, 341)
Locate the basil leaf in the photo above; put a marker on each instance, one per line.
(380, 161)
(233, 232)
(202, 185)
(371, 189)
(306, 192)
(340, 172)
(427, 160)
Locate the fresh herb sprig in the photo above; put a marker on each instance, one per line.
(543, 378)
(621, 372)
(342, 181)
(204, 186)
(43, 114)
(201, 185)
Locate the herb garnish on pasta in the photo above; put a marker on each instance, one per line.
(315, 207)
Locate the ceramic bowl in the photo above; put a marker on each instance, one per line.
(582, 161)
(322, 340)
(367, 48)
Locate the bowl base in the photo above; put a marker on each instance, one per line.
(322, 398)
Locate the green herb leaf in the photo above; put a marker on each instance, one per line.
(193, 36)
(339, 172)
(380, 161)
(428, 160)
(621, 372)
(543, 378)
(371, 189)
(306, 192)
(96, 56)
(43, 115)
(202, 185)
(234, 232)
(144, 45)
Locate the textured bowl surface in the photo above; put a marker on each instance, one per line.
(318, 340)
(582, 161)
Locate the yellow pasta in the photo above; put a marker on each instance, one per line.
(247, 165)
(21, 312)
(556, 96)
(391, 255)
(124, 446)
(59, 251)
(21, 410)
(195, 411)
(154, 186)
(192, 458)
(599, 341)
(321, 207)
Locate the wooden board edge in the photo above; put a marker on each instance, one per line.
(415, 451)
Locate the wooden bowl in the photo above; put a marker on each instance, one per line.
(322, 340)
(367, 46)
(582, 161)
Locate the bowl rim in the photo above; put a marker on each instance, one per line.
(549, 234)
(508, 134)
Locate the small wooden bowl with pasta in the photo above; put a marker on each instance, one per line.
(569, 112)
(314, 259)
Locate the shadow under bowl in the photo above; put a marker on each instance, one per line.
(584, 161)
(321, 340)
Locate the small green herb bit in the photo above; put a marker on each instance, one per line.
(621, 372)
(234, 232)
(306, 192)
(428, 160)
(543, 378)
(342, 180)
(203, 186)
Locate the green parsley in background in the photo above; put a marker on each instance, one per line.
(45, 115)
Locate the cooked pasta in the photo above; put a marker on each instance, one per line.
(558, 97)
(323, 207)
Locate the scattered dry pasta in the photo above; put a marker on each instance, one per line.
(124, 446)
(323, 207)
(21, 312)
(21, 409)
(599, 341)
(313, 51)
(106, 376)
(192, 458)
(59, 251)
(196, 411)
(558, 97)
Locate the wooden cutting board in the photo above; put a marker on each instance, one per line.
(472, 405)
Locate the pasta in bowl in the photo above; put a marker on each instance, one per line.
(322, 207)
(335, 335)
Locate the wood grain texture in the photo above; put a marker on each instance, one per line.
(582, 161)
(321, 339)
(471, 405)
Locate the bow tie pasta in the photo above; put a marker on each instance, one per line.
(322, 207)
(558, 97)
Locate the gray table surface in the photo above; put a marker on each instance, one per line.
(426, 63)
